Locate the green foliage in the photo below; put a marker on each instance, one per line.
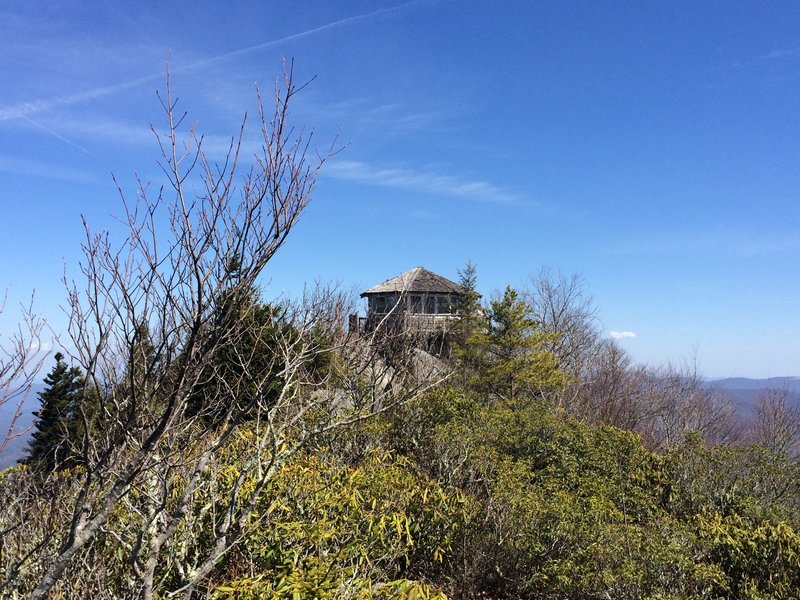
(330, 531)
(564, 509)
(21, 493)
(57, 421)
(257, 587)
(559, 500)
(517, 362)
(471, 499)
(244, 367)
(724, 480)
(470, 323)
(501, 351)
(759, 561)
(320, 529)
(411, 429)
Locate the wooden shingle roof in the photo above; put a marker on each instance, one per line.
(417, 280)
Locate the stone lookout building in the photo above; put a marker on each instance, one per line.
(418, 301)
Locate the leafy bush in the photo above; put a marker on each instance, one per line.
(326, 530)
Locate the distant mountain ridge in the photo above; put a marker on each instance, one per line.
(745, 392)
(791, 384)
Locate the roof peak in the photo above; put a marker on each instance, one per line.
(418, 279)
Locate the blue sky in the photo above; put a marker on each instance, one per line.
(654, 148)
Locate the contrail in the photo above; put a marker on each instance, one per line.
(55, 134)
(302, 34)
(46, 129)
(22, 111)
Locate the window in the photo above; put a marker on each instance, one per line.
(444, 305)
(430, 305)
(416, 304)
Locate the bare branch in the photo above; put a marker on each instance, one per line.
(21, 357)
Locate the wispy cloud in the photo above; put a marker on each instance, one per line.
(18, 166)
(26, 109)
(422, 181)
(620, 335)
(782, 53)
(55, 134)
(40, 346)
(309, 32)
(387, 118)
(108, 129)
(778, 54)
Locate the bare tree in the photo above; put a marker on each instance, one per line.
(776, 423)
(674, 402)
(662, 404)
(21, 357)
(606, 392)
(187, 380)
(563, 308)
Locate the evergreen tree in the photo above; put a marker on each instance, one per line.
(501, 350)
(517, 359)
(469, 308)
(471, 324)
(56, 420)
(242, 372)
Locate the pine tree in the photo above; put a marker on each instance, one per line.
(518, 361)
(242, 371)
(56, 420)
(501, 350)
(470, 326)
(469, 308)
